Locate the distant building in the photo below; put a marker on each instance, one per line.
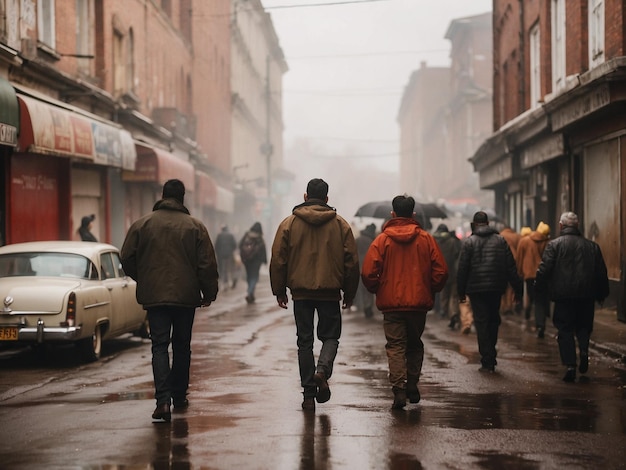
(445, 114)
(258, 66)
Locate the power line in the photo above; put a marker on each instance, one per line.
(366, 54)
(307, 5)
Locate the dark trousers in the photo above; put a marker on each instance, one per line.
(170, 324)
(226, 268)
(540, 301)
(574, 320)
(405, 349)
(328, 332)
(486, 307)
(252, 277)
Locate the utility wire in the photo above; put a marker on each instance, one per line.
(307, 5)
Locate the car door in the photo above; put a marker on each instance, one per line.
(119, 290)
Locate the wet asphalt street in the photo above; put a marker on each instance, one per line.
(57, 413)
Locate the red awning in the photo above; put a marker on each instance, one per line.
(158, 166)
(206, 190)
(50, 129)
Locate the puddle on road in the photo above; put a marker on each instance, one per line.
(517, 411)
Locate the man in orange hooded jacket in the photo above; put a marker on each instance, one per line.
(404, 267)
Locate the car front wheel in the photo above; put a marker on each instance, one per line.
(91, 348)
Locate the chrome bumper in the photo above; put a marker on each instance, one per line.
(43, 333)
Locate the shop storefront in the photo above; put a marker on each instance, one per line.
(60, 170)
(144, 185)
(569, 155)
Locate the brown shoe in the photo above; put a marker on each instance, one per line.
(323, 390)
(162, 413)
(308, 404)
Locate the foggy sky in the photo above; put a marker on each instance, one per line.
(348, 66)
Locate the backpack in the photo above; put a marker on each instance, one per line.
(248, 249)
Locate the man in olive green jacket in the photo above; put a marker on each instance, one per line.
(314, 255)
(170, 255)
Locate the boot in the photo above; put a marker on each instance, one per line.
(399, 399)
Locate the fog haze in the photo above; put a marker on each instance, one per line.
(348, 66)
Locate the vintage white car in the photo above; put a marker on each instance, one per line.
(66, 291)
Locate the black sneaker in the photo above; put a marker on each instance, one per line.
(570, 375)
(490, 369)
(323, 390)
(540, 332)
(584, 363)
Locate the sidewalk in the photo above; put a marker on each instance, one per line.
(608, 336)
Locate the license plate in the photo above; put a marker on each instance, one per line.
(8, 333)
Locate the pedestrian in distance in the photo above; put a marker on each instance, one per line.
(450, 246)
(225, 246)
(253, 254)
(314, 255)
(574, 275)
(404, 267)
(170, 255)
(86, 225)
(486, 267)
(364, 299)
(508, 305)
(529, 251)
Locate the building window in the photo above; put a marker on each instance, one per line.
(45, 22)
(130, 62)
(84, 33)
(119, 72)
(535, 67)
(596, 32)
(558, 44)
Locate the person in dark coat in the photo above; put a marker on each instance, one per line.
(486, 267)
(253, 254)
(84, 230)
(573, 272)
(364, 300)
(170, 255)
(450, 246)
(225, 246)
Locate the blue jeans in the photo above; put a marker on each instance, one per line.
(328, 332)
(171, 324)
(252, 277)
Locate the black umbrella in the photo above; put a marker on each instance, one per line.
(382, 210)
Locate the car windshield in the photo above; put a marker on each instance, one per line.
(46, 264)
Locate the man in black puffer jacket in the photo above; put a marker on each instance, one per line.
(486, 266)
(573, 271)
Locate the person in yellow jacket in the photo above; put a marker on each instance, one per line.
(529, 251)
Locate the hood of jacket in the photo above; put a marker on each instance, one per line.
(315, 212)
(402, 229)
(537, 236)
